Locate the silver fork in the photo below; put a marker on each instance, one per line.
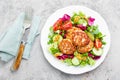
(26, 29)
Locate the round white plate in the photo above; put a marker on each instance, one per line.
(52, 19)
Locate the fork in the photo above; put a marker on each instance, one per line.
(26, 30)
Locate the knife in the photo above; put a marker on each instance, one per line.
(26, 29)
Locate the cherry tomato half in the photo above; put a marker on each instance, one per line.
(58, 25)
(62, 25)
(67, 25)
(98, 43)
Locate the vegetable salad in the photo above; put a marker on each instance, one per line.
(58, 32)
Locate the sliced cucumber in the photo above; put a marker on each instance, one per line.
(91, 61)
(97, 52)
(91, 36)
(57, 38)
(75, 61)
(53, 48)
(82, 21)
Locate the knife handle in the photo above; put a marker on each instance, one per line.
(18, 58)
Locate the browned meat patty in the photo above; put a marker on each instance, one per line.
(86, 48)
(78, 37)
(66, 46)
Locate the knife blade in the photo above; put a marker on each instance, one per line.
(26, 29)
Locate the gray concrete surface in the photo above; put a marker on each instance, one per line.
(37, 67)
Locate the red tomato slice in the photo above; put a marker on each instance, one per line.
(58, 24)
(67, 25)
(98, 43)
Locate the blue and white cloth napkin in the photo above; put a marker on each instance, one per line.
(10, 40)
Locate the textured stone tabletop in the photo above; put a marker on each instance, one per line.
(37, 67)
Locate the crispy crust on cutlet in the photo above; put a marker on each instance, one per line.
(66, 46)
(86, 48)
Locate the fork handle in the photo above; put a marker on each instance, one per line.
(18, 58)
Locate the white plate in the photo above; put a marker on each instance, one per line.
(70, 10)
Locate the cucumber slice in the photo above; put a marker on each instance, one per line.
(57, 38)
(75, 61)
(53, 48)
(97, 52)
(91, 36)
(82, 21)
(91, 61)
